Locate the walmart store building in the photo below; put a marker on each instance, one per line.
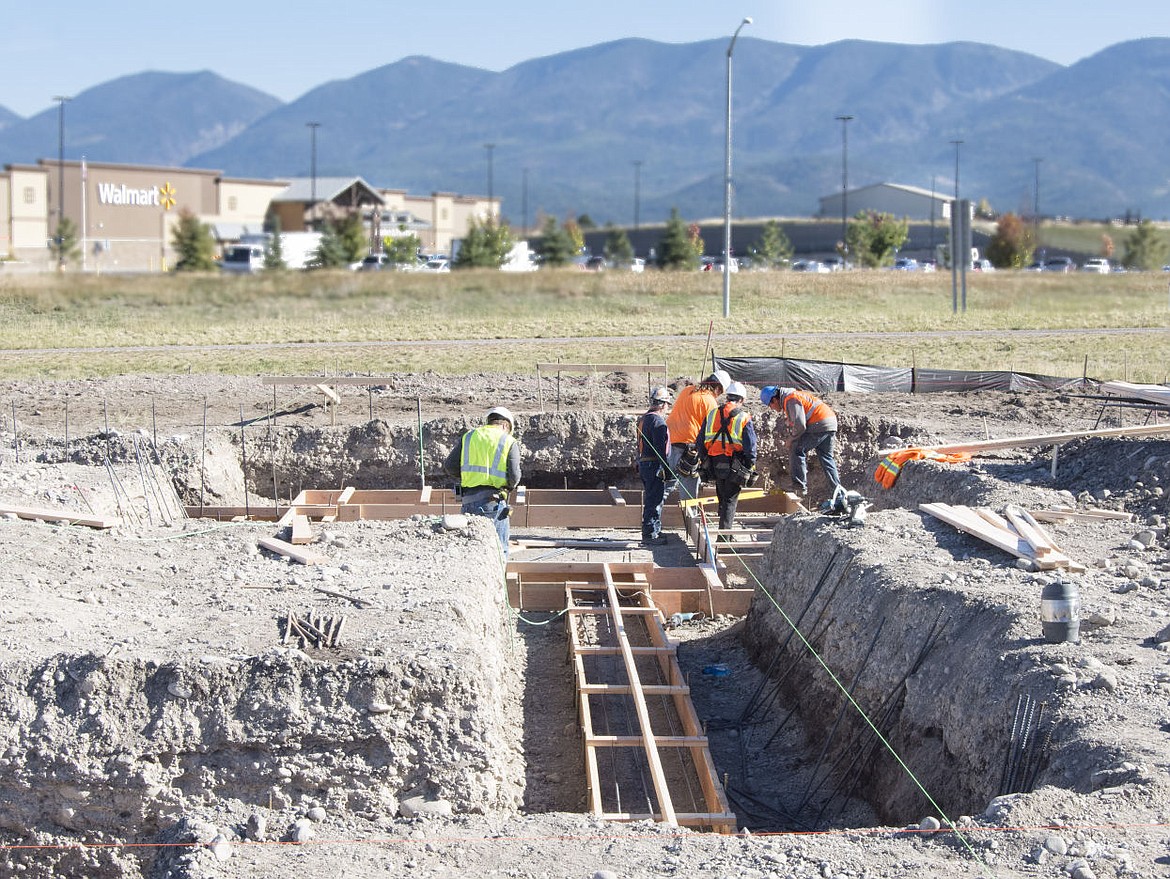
(125, 214)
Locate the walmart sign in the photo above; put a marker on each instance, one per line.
(121, 194)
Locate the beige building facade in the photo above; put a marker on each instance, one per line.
(125, 214)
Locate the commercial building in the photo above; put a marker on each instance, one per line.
(125, 214)
(889, 198)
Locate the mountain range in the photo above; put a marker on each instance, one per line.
(566, 130)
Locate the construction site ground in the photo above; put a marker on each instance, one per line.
(157, 723)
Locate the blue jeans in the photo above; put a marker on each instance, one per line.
(497, 511)
(653, 491)
(820, 442)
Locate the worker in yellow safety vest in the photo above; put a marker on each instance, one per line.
(684, 422)
(487, 464)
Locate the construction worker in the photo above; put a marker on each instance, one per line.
(685, 421)
(814, 428)
(487, 464)
(653, 452)
(727, 451)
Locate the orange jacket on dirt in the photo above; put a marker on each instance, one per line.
(887, 471)
(690, 411)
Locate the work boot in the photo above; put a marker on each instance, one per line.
(658, 540)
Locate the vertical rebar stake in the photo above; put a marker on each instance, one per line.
(67, 430)
(244, 461)
(15, 433)
(203, 459)
(106, 419)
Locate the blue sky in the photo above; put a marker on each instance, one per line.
(288, 48)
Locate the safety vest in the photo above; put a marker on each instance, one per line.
(485, 457)
(723, 430)
(814, 409)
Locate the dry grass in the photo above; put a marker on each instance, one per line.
(381, 322)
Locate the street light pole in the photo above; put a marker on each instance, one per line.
(1036, 204)
(957, 144)
(524, 199)
(490, 147)
(727, 183)
(637, 191)
(61, 99)
(844, 120)
(313, 126)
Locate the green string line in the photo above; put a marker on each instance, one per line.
(861, 711)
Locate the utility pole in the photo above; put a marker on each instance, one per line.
(313, 126)
(844, 120)
(61, 101)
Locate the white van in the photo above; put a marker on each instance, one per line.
(243, 258)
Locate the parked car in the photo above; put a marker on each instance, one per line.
(715, 264)
(1059, 264)
(982, 265)
(637, 264)
(1037, 266)
(1097, 264)
(834, 263)
(596, 264)
(905, 264)
(810, 265)
(436, 265)
(375, 262)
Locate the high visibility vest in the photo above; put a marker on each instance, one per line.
(723, 430)
(815, 409)
(485, 457)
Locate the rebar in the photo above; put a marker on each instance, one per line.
(203, 458)
(845, 703)
(15, 433)
(142, 479)
(244, 461)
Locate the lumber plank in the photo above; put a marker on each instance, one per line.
(649, 740)
(301, 532)
(1040, 546)
(48, 515)
(280, 547)
(616, 496)
(1148, 393)
(330, 394)
(1051, 439)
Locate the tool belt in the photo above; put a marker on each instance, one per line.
(688, 463)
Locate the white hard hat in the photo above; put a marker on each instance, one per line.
(735, 389)
(502, 412)
(661, 395)
(719, 377)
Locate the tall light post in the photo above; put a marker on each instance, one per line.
(637, 191)
(524, 199)
(1036, 194)
(844, 120)
(313, 126)
(727, 183)
(957, 144)
(490, 147)
(61, 101)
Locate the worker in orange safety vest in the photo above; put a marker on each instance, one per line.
(814, 428)
(727, 449)
(685, 421)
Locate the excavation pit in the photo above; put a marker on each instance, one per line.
(164, 722)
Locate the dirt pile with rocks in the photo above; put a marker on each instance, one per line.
(154, 711)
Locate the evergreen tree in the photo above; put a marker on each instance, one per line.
(485, 246)
(274, 248)
(64, 246)
(556, 247)
(874, 238)
(618, 249)
(353, 236)
(193, 243)
(1145, 248)
(402, 250)
(772, 248)
(332, 252)
(675, 248)
(1012, 245)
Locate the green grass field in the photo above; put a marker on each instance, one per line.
(1053, 324)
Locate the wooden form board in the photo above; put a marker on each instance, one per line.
(1017, 533)
(313, 380)
(627, 368)
(69, 517)
(672, 699)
